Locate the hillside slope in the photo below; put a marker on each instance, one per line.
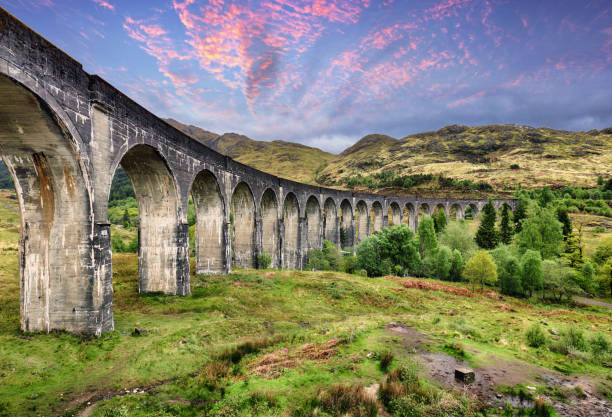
(486, 153)
(289, 160)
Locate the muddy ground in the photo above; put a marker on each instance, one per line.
(501, 372)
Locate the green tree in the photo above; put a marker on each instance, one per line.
(505, 233)
(508, 270)
(546, 197)
(125, 220)
(332, 255)
(443, 263)
(428, 241)
(440, 221)
(486, 236)
(480, 269)
(117, 244)
(541, 232)
(398, 245)
(587, 281)
(456, 266)
(531, 271)
(315, 261)
(520, 213)
(564, 218)
(558, 279)
(457, 235)
(600, 180)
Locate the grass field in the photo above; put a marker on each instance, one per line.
(270, 343)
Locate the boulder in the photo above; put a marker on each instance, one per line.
(464, 374)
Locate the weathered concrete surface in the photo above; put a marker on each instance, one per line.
(64, 132)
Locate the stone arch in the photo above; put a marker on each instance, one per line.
(439, 207)
(471, 211)
(41, 150)
(455, 212)
(159, 229)
(210, 219)
(376, 214)
(330, 221)
(268, 212)
(363, 220)
(243, 226)
(409, 215)
(394, 214)
(347, 224)
(291, 241)
(424, 208)
(314, 223)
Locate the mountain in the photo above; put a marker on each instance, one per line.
(289, 160)
(501, 155)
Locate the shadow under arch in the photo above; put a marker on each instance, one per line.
(376, 214)
(41, 150)
(394, 214)
(347, 224)
(314, 223)
(268, 211)
(242, 218)
(162, 239)
(209, 222)
(291, 242)
(330, 221)
(363, 220)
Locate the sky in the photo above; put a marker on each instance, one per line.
(327, 72)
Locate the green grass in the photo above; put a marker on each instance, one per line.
(258, 342)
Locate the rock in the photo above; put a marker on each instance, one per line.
(465, 374)
(139, 332)
(554, 331)
(530, 388)
(324, 330)
(544, 322)
(499, 395)
(370, 354)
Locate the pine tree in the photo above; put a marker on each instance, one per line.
(486, 237)
(565, 220)
(520, 213)
(505, 228)
(126, 219)
(440, 221)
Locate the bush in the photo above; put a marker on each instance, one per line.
(349, 264)
(571, 339)
(535, 336)
(316, 261)
(263, 260)
(386, 357)
(340, 400)
(599, 345)
(443, 262)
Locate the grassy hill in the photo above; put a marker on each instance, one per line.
(503, 156)
(285, 159)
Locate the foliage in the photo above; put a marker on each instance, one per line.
(428, 242)
(379, 254)
(531, 271)
(542, 232)
(457, 236)
(535, 336)
(505, 232)
(520, 213)
(443, 262)
(508, 270)
(263, 260)
(480, 269)
(570, 339)
(558, 279)
(564, 218)
(440, 221)
(457, 266)
(119, 246)
(486, 236)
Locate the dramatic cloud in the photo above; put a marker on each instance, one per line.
(325, 72)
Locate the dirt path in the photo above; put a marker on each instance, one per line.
(502, 372)
(590, 302)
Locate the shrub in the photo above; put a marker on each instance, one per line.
(535, 336)
(340, 400)
(362, 273)
(263, 260)
(515, 166)
(443, 262)
(571, 339)
(456, 266)
(316, 261)
(599, 345)
(386, 357)
(349, 264)
(543, 409)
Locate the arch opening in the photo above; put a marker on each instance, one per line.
(409, 215)
(376, 214)
(394, 214)
(314, 223)
(242, 219)
(160, 232)
(455, 213)
(471, 212)
(269, 226)
(347, 234)
(209, 220)
(291, 214)
(362, 221)
(330, 221)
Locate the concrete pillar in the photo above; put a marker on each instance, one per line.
(183, 286)
(302, 242)
(385, 220)
(227, 244)
(258, 240)
(281, 244)
(103, 274)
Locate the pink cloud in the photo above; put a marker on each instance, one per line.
(467, 100)
(105, 4)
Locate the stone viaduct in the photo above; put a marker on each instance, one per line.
(63, 133)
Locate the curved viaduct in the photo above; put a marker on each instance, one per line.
(64, 132)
